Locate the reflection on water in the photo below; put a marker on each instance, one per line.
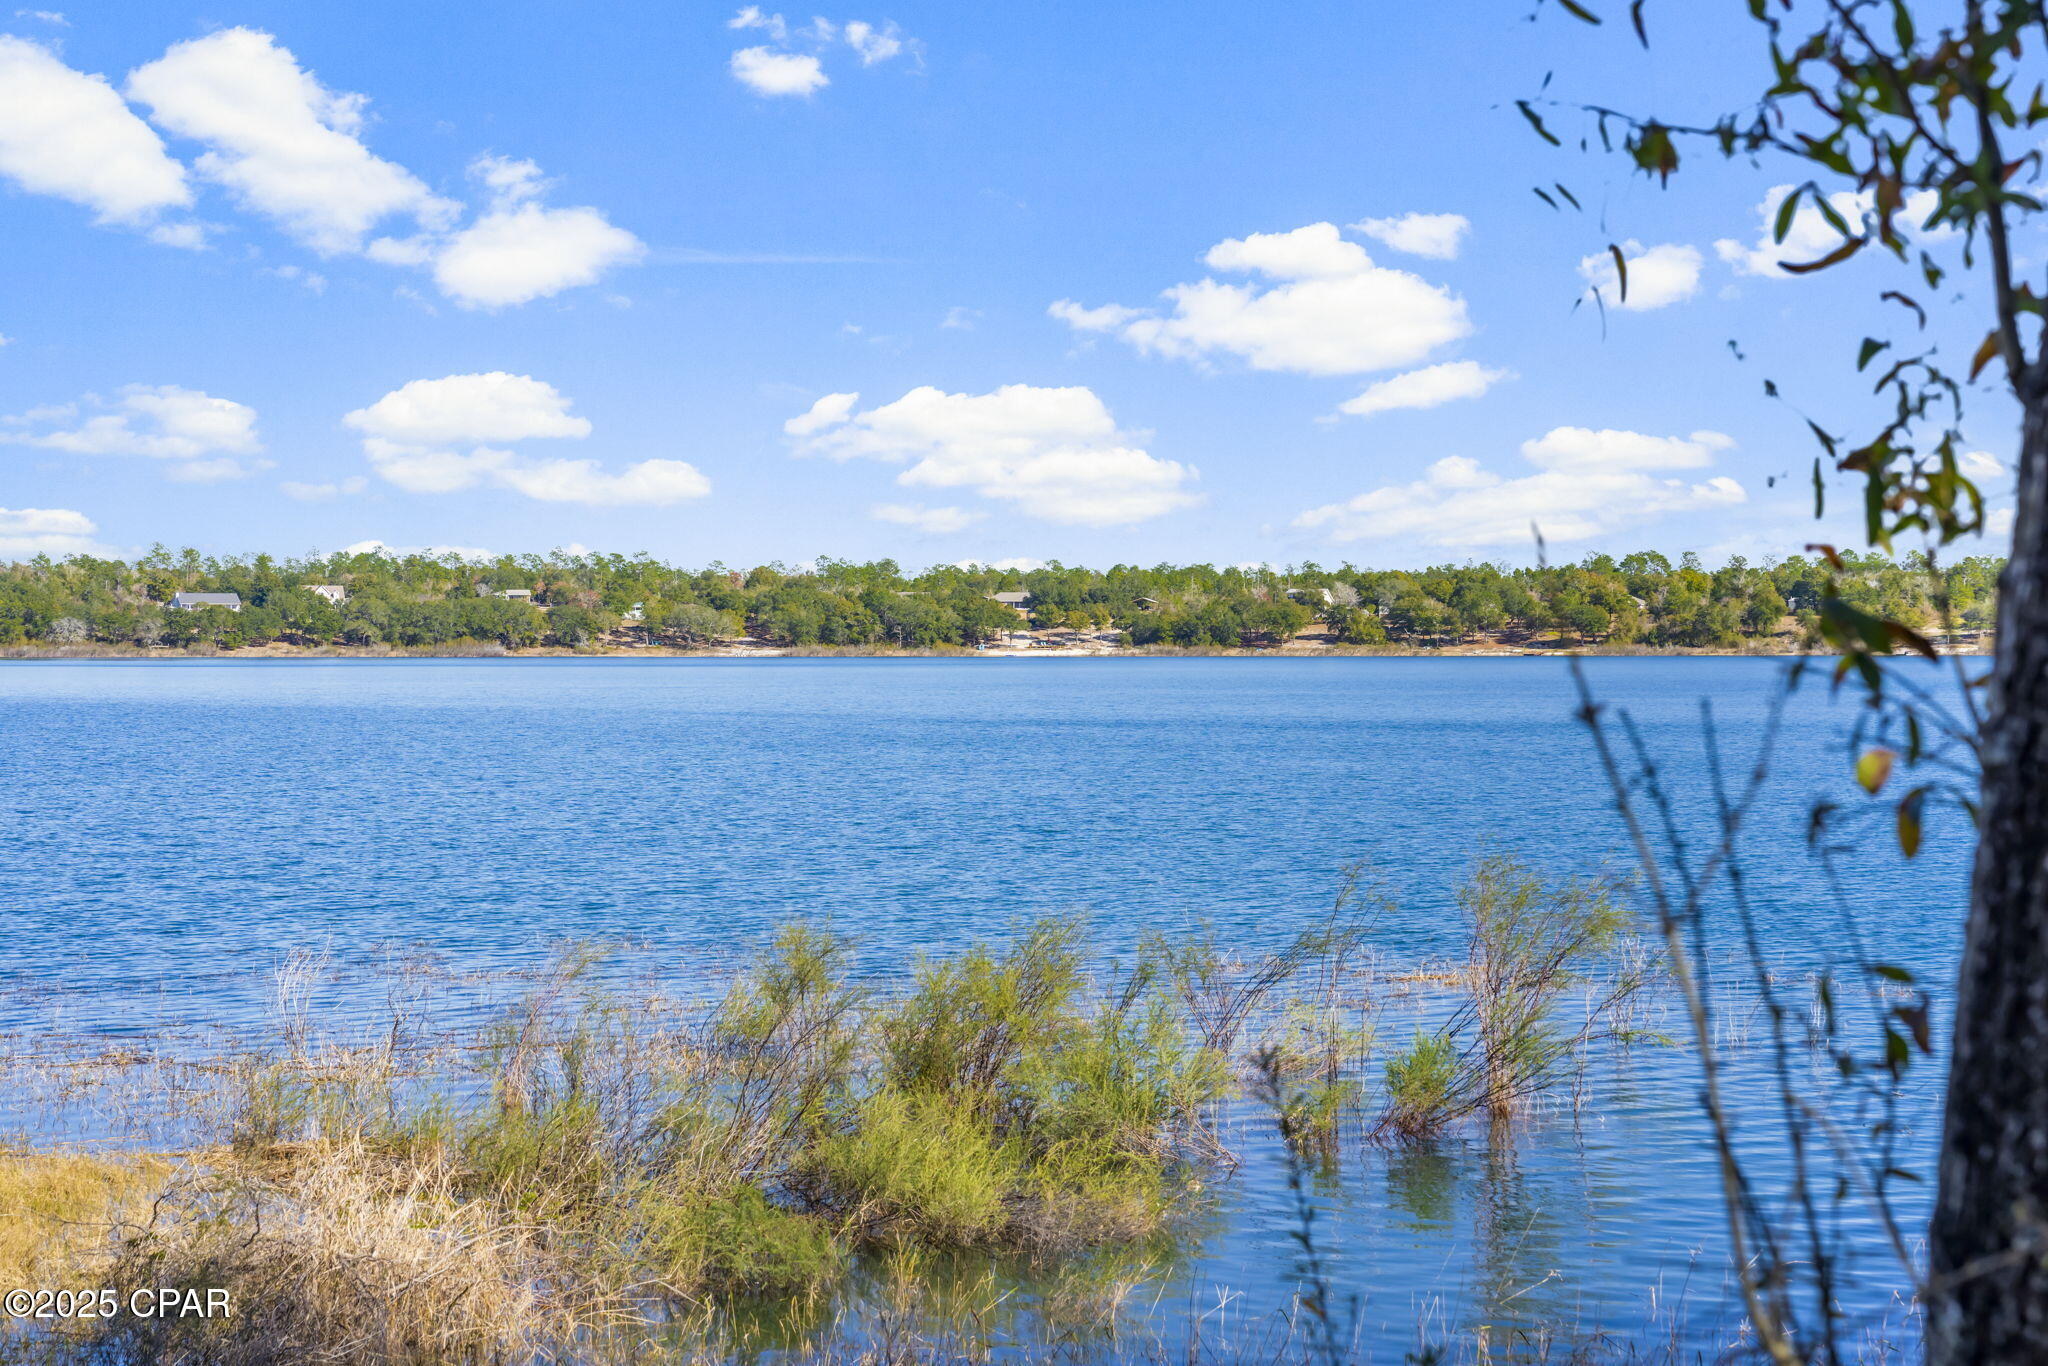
(174, 830)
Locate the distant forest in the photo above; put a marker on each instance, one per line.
(414, 601)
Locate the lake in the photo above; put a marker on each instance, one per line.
(175, 829)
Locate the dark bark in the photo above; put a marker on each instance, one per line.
(1988, 1300)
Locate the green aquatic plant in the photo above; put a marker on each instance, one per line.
(1422, 1086)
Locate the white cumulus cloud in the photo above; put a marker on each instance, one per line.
(1586, 483)
(57, 532)
(1583, 449)
(1435, 235)
(942, 521)
(1057, 454)
(204, 438)
(1657, 276)
(462, 408)
(68, 134)
(520, 250)
(1329, 311)
(283, 145)
(1429, 387)
(768, 72)
(412, 437)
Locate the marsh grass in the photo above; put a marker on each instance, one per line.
(798, 1164)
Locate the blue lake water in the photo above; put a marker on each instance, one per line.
(173, 829)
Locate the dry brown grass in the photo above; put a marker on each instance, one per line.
(345, 1257)
(59, 1213)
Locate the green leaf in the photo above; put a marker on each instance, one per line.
(1536, 122)
(1578, 11)
(1833, 258)
(1635, 17)
(1891, 973)
(1909, 821)
(1871, 346)
(1620, 269)
(1873, 768)
(1783, 224)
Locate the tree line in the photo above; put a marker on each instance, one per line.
(423, 600)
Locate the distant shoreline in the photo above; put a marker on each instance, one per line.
(1777, 649)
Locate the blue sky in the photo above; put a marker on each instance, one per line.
(1058, 281)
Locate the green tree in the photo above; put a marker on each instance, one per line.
(694, 623)
(1919, 118)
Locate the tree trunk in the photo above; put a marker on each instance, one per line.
(1988, 1302)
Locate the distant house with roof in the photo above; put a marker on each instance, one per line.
(1016, 602)
(333, 592)
(192, 602)
(484, 590)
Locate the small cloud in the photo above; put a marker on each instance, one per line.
(828, 411)
(753, 17)
(773, 74)
(1055, 453)
(1981, 466)
(186, 236)
(1657, 276)
(1435, 235)
(943, 521)
(323, 493)
(1105, 318)
(960, 318)
(202, 437)
(53, 18)
(520, 249)
(312, 280)
(1322, 308)
(873, 44)
(1429, 387)
(57, 532)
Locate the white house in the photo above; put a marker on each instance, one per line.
(333, 592)
(192, 602)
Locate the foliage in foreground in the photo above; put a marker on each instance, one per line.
(609, 1179)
